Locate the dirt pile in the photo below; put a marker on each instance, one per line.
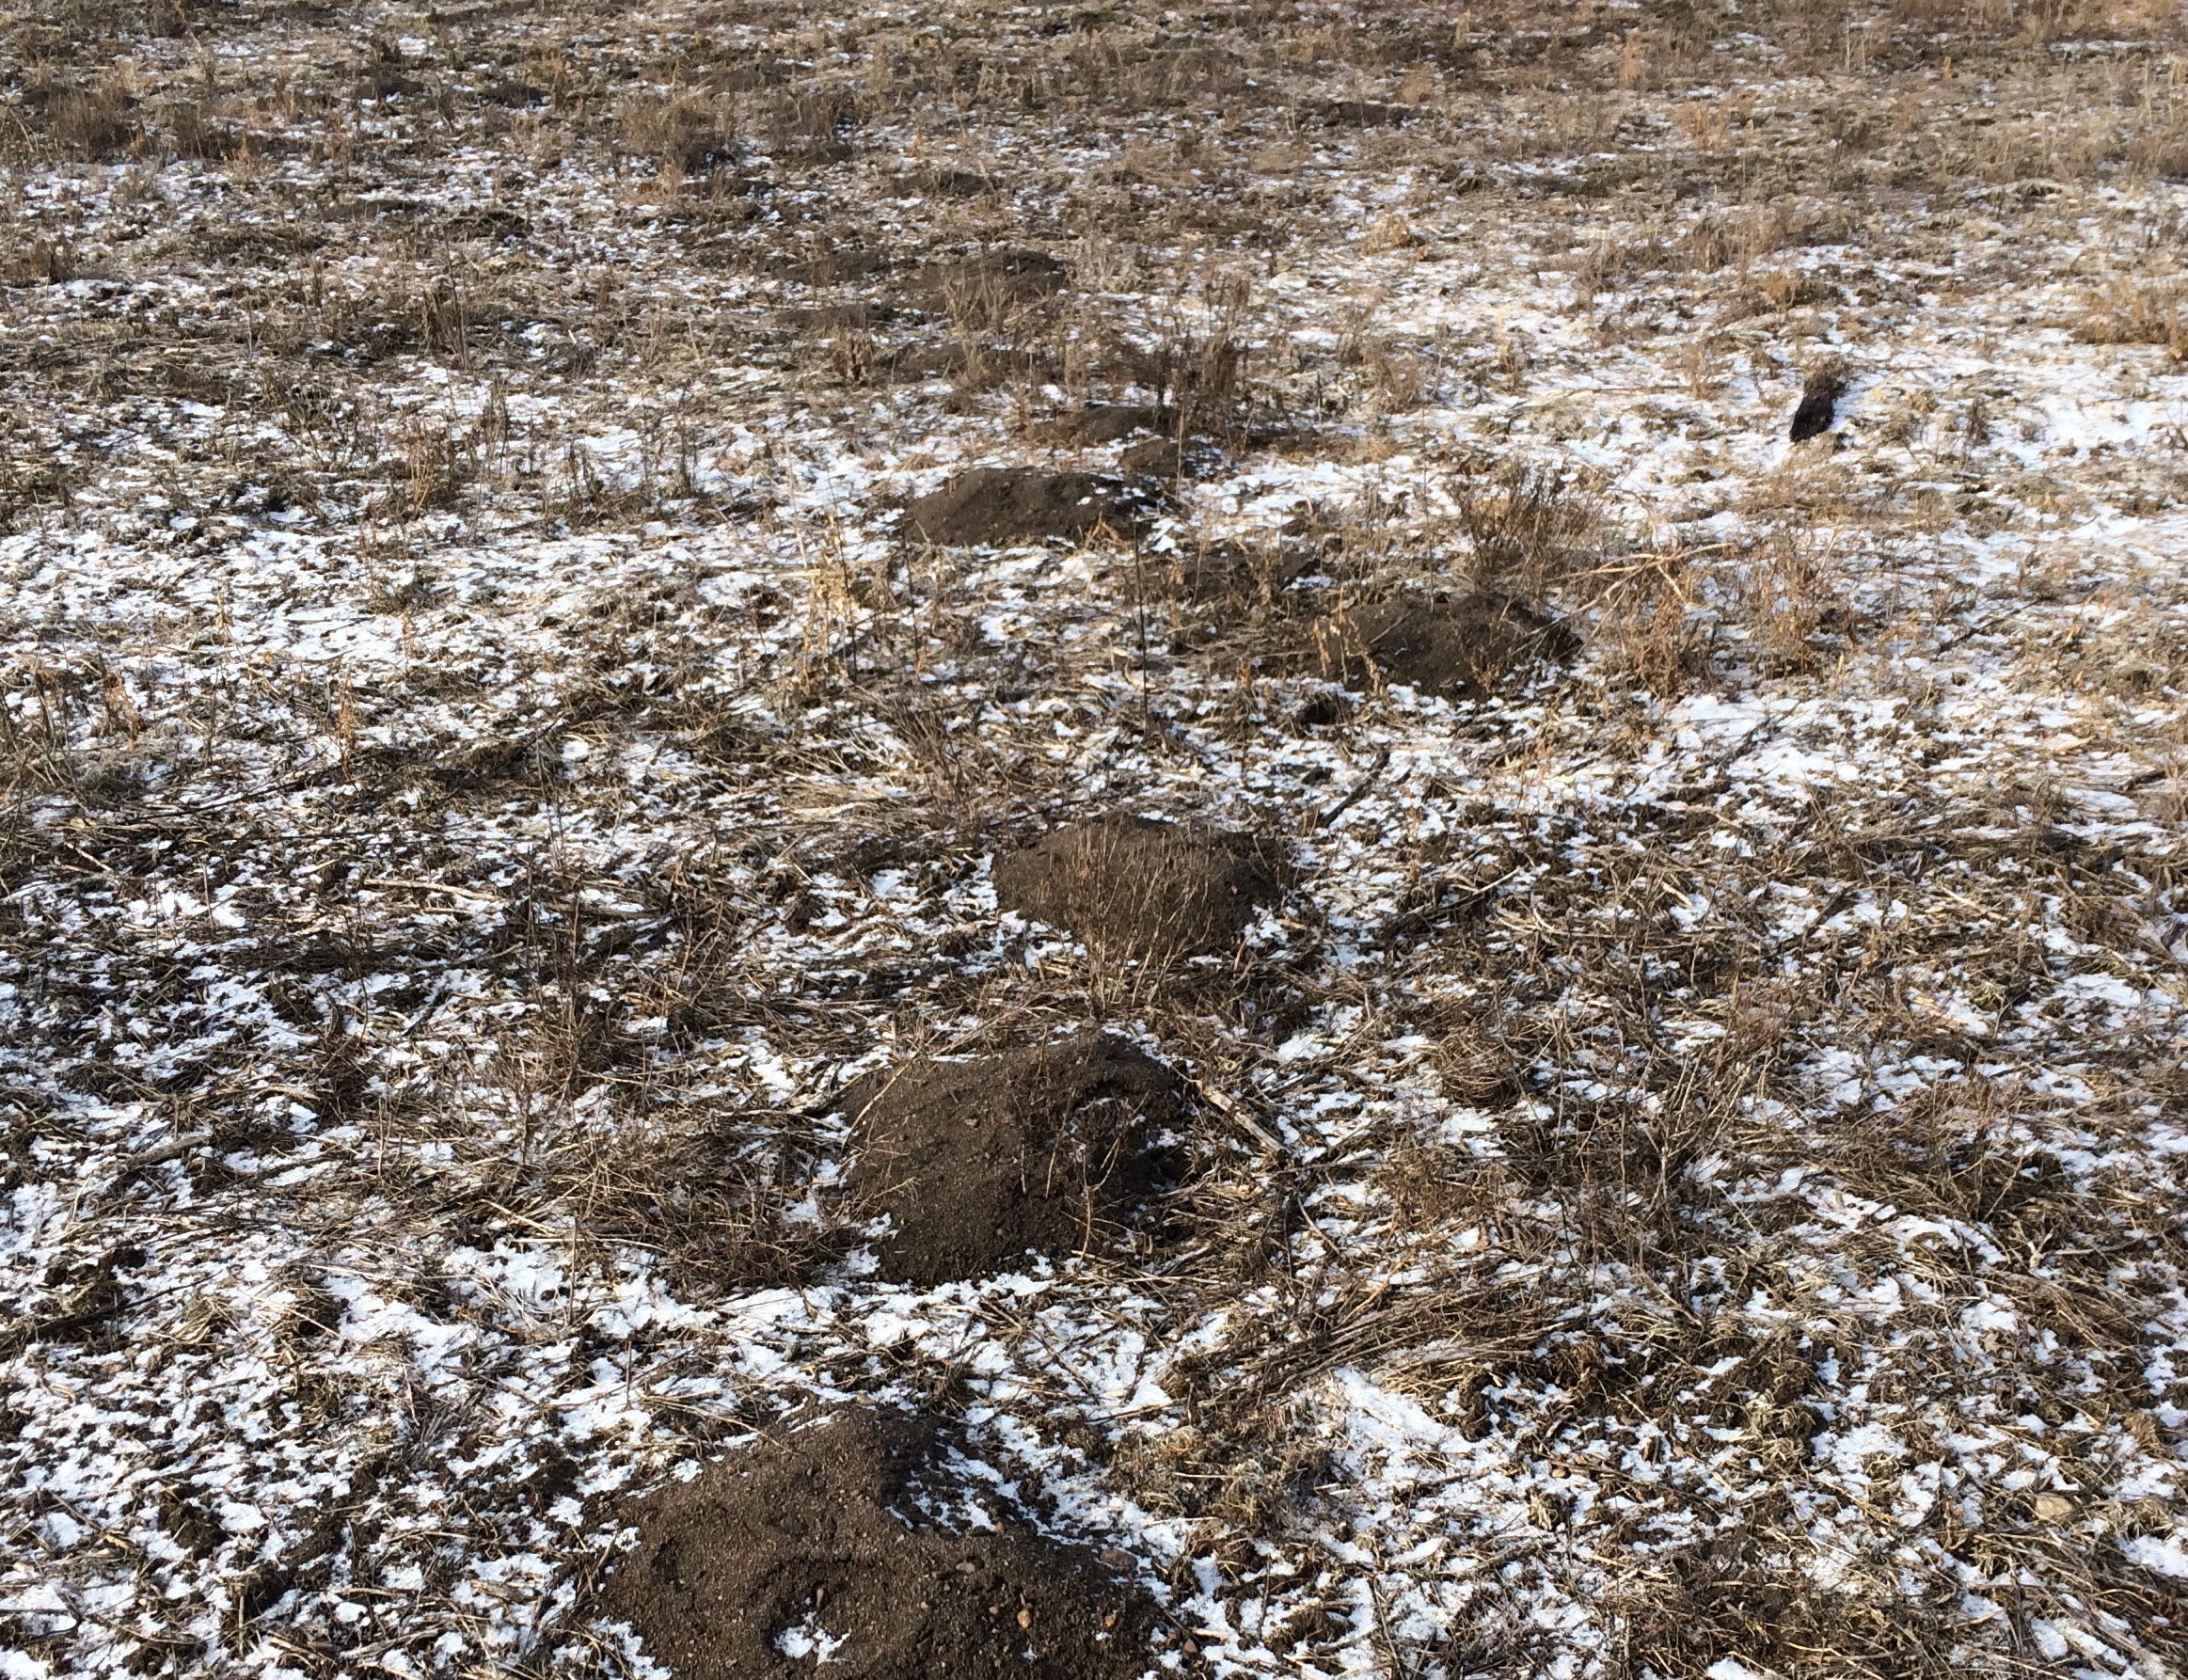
(1049, 1148)
(819, 1548)
(995, 278)
(1133, 887)
(1109, 423)
(1465, 647)
(1025, 504)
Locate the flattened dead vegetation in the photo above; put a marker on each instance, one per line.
(1338, 843)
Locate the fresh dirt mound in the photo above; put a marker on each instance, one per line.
(1466, 646)
(1109, 423)
(819, 1545)
(1007, 275)
(1048, 1149)
(1025, 505)
(1133, 887)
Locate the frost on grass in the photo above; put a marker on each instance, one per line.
(1676, 1160)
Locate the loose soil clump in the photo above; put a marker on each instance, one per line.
(1131, 886)
(1109, 423)
(1050, 1148)
(821, 1546)
(1025, 504)
(1465, 647)
(1007, 275)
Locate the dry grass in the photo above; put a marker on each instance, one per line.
(2135, 312)
(482, 759)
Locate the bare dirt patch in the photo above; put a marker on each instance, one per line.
(827, 1543)
(1131, 886)
(1467, 647)
(1109, 423)
(1026, 504)
(997, 277)
(1050, 1148)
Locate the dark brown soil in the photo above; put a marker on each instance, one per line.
(1109, 423)
(821, 1536)
(1225, 572)
(1465, 647)
(1160, 458)
(1048, 1149)
(1133, 887)
(1025, 505)
(997, 277)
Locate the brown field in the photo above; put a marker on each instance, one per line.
(1058, 840)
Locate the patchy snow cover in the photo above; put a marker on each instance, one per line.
(1725, 1086)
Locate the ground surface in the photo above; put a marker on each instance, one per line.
(516, 686)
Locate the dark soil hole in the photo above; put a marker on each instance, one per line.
(1131, 886)
(1165, 458)
(1465, 647)
(1050, 1148)
(819, 1544)
(1025, 505)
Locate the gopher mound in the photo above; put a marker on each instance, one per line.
(976, 1162)
(1109, 423)
(1025, 504)
(1131, 886)
(817, 1548)
(1005, 276)
(1465, 647)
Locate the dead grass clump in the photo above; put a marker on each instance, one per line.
(437, 463)
(1650, 629)
(196, 131)
(1608, 260)
(1747, 1594)
(1785, 594)
(1955, 1152)
(811, 125)
(2135, 312)
(1525, 522)
(689, 132)
(98, 123)
(1196, 368)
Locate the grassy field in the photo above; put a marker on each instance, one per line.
(588, 595)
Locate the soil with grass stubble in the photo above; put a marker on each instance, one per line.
(1136, 888)
(825, 1547)
(1051, 1149)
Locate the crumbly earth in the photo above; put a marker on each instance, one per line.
(1143, 889)
(1052, 1149)
(844, 1545)
(1687, 1171)
(1023, 504)
(1465, 647)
